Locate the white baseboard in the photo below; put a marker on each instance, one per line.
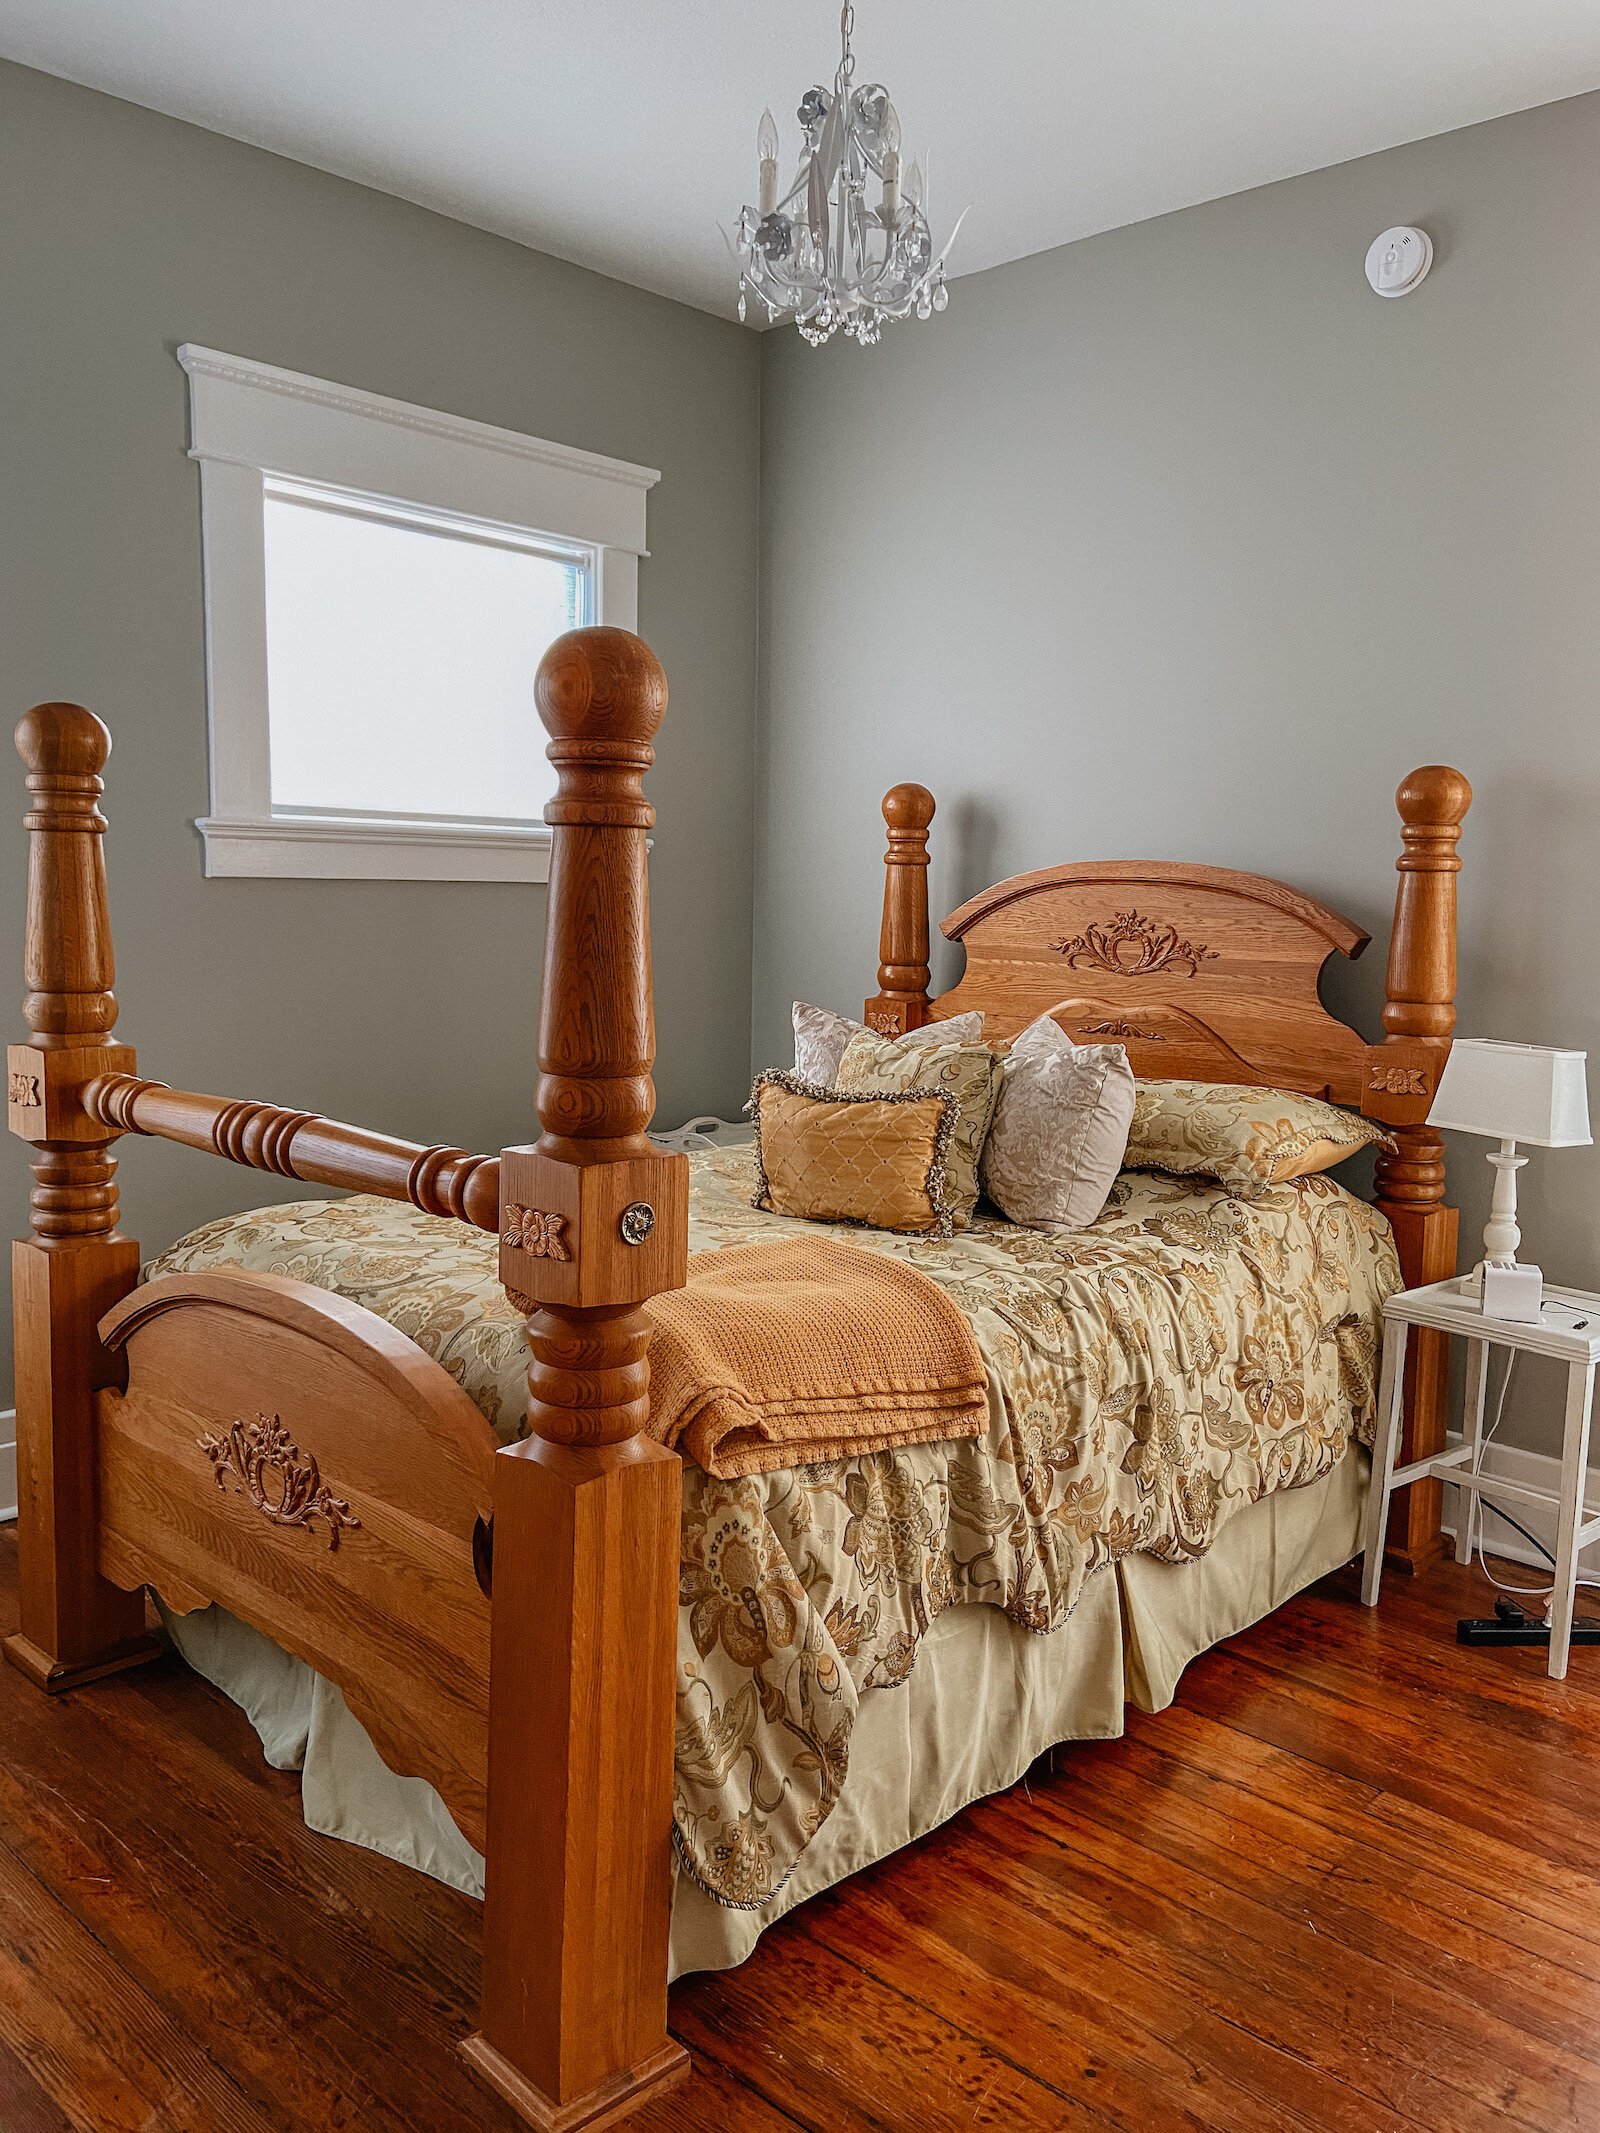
(1534, 1470)
(8, 1465)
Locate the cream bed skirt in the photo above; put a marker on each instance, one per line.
(984, 1699)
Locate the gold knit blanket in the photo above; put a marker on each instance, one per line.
(787, 1353)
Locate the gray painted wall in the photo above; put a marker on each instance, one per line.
(1178, 542)
(404, 1006)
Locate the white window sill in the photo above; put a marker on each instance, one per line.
(347, 848)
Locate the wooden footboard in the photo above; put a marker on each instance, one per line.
(504, 1623)
(282, 1451)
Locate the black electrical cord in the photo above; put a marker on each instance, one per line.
(1518, 1528)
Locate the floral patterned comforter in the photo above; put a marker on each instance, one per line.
(1187, 1354)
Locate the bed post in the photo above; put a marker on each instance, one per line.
(74, 1266)
(586, 1541)
(1420, 1007)
(902, 1000)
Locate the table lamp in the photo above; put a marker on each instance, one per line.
(1511, 1093)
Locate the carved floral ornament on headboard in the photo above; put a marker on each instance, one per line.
(1120, 1026)
(1130, 945)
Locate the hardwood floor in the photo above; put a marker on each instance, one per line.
(1350, 1881)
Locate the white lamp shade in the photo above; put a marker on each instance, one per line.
(1514, 1092)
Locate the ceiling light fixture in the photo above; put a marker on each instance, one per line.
(822, 252)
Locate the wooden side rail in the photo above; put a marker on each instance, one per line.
(299, 1144)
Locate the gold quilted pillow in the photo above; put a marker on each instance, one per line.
(831, 1157)
(971, 1073)
(1245, 1137)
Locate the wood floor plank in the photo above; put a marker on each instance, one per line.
(1032, 1892)
(24, 2106)
(1368, 1881)
(1057, 2006)
(1403, 2041)
(846, 2050)
(1398, 1751)
(714, 2097)
(113, 2059)
(1538, 1906)
(1290, 1904)
(195, 1897)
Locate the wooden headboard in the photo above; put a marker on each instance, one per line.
(1208, 974)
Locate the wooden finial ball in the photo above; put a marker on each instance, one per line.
(1433, 797)
(908, 807)
(62, 740)
(601, 684)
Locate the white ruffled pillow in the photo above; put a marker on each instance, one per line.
(1060, 1129)
(820, 1037)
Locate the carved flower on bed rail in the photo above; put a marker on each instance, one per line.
(283, 1483)
(1132, 946)
(534, 1231)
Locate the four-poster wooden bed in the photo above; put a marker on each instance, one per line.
(233, 1437)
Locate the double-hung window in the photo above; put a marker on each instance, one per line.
(381, 582)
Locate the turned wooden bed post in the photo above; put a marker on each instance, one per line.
(902, 1000)
(594, 1220)
(1420, 1008)
(74, 1266)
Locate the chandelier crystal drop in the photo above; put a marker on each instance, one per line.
(823, 252)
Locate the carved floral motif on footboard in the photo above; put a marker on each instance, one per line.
(283, 1484)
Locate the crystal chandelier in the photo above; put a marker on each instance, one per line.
(822, 251)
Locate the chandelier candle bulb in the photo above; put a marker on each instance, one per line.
(889, 142)
(767, 150)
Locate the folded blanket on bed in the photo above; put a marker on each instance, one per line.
(803, 1349)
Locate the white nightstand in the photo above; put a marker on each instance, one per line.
(705, 1133)
(1569, 1330)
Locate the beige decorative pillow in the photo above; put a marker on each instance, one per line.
(879, 1066)
(1059, 1130)
(1246, 1137)
(828, 1157)
(820, 1037)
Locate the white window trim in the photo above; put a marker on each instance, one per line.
(249, 421)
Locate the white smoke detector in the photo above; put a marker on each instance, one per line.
(1398, 260)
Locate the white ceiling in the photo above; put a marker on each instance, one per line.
(620, 132)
